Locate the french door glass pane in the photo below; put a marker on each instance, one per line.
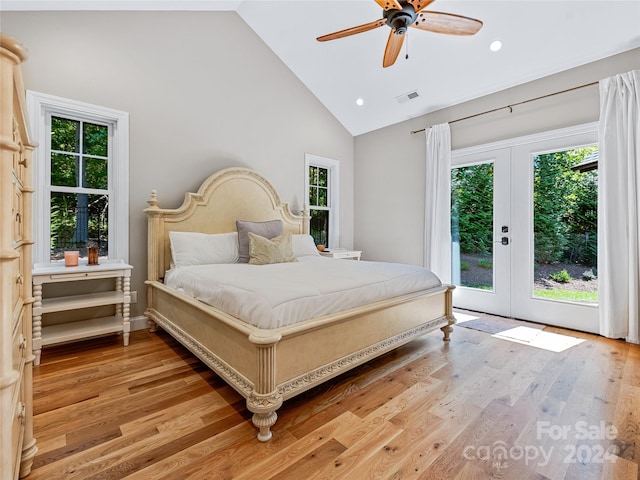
(565, 189)
(472, 226)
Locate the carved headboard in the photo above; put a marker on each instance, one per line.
(226, 196)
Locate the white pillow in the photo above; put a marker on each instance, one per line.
(303, 244)
(191, 248)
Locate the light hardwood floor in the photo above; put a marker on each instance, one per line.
(479, 407)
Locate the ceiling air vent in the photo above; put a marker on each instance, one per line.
(405, 97)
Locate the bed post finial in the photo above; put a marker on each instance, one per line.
(153, 203)
(155, 265)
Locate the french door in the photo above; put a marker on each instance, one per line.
(524, 228)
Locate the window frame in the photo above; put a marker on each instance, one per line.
(333, 197)
(41, 108)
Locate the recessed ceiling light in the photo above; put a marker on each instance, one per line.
(495, 45)
(360, 102)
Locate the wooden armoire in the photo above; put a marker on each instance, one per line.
(18, 447)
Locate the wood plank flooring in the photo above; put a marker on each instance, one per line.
(480, 407)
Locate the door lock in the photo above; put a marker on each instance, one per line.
(505, 241)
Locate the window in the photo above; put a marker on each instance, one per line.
(81, 178)
(322, 187)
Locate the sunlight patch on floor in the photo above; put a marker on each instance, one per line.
(463, 317)
(534, 337)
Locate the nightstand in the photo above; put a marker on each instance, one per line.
(342, 253)
(119, 295)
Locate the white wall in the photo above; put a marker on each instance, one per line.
(389, 163)
(203, 93)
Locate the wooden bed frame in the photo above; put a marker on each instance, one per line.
(269, 366)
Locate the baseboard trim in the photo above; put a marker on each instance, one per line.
(139, 323)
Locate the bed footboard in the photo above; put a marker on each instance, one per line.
(268, 367)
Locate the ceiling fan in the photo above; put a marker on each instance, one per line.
(402, 14)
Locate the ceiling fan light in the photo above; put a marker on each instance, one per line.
(495, 45)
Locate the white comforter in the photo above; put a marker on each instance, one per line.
(272, 296)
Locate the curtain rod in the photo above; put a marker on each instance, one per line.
(510, 107)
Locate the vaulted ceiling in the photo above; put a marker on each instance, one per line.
(538, 38)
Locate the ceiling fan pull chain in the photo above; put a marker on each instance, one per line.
(406, 46)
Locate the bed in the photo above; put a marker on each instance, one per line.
(268, 364)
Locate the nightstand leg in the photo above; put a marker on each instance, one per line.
(37, 324)
(126, 310)
(122, 310)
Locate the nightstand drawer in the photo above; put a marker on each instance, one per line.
(342, 253)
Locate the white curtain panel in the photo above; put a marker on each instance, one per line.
(437, 218)
(619, 206)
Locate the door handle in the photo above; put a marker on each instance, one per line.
(504, 241)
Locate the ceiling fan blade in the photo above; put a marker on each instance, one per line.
(352, 31)
(394, 45)
(389, 4)
(419, 5)
(449, 23)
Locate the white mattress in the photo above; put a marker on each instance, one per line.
(272, 296)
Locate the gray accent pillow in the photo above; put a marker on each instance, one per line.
(269, 230)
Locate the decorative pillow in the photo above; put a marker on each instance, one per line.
(263, 251)
(192, 248)
(269, 230)
(303, 244)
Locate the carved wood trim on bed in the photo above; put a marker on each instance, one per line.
(269, 366)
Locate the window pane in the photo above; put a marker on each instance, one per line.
(320, 226)
(78, 221)
(95, 140)
(95, 175)
(65, 134)
(322, 197)
(319, 204)
(313, 175)
(323, 177)
(64, 170)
